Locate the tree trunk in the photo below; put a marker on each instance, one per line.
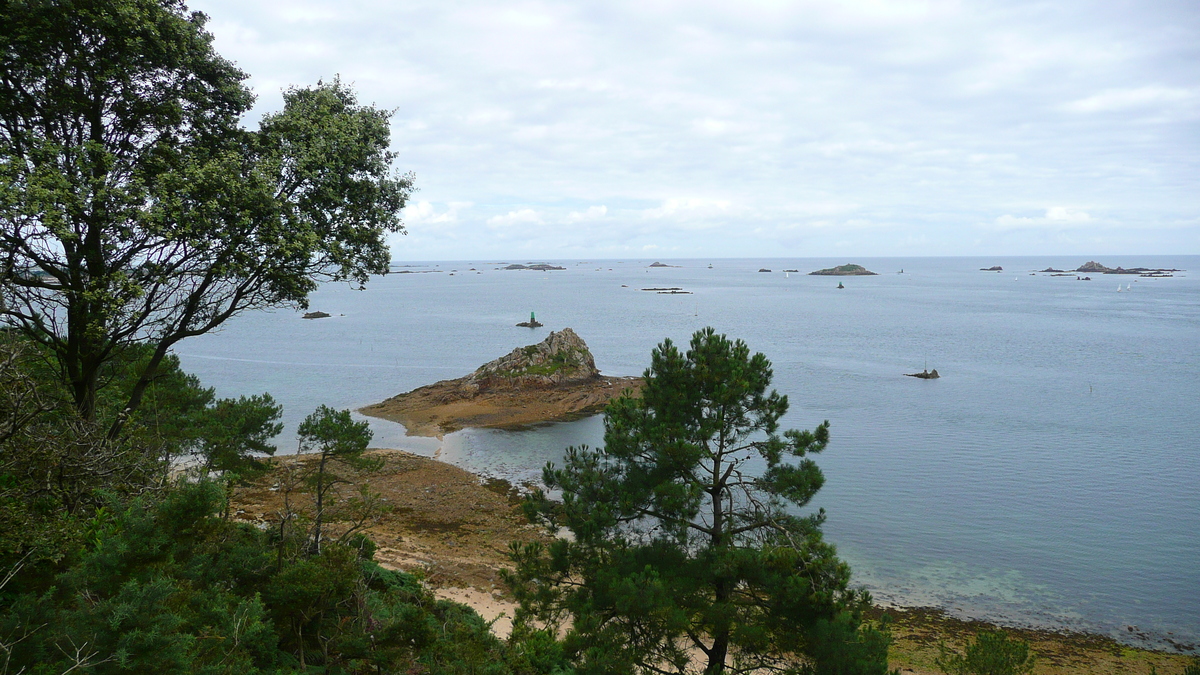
(316, 544)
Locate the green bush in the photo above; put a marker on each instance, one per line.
(991, 653)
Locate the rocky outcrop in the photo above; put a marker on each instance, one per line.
(539, 267)
(562, 358)
(555, 379)
(1092, 266)
(316, 315)
(847, 270)
(925, 374)
(993, 268)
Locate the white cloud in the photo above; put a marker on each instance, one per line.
(592, 213)
(1124, 99)
(758, 118)
(521, 217)
(1062, 214)
(688, 209)
(424, 212)
(1055, 217)
(709, 125)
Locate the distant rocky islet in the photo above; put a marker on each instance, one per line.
(847, 270)
(1093, 267)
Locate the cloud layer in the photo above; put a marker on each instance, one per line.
(931, 127)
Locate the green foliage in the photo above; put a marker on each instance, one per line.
(990, 653)
(167, 586)
(339, 443)
(1192, 668)
(237, 431)
(41, 435)
(677, 546)
(135, 209)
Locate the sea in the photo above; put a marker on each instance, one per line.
(1049, 478)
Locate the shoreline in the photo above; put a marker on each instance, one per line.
(452, 527)
(443, 407)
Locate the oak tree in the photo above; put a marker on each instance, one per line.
(134, 208)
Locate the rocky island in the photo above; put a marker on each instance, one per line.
(1093, 266)
(537, 267)
(847, 270)
(925, 374)
(553, 380)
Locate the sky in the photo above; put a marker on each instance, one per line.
(761, 128)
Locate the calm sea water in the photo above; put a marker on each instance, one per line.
(1048, 478)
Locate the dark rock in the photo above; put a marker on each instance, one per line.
(315, 315)
(1051, 269)
(764, 270)
(925, 374)
(532, 323)
(540, 267)
(561, 358)
(1092, 266)
(658, 264)
(996, 268)
(847, 270)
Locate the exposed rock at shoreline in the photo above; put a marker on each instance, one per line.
(315, 315)
(1093, 266)
(553, 380)
(540, 267)
(847, 270)
(925, 374)
(994, 268)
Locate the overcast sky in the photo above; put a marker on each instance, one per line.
(651, 128)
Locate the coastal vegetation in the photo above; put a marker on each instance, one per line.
(135, 208)
(677, 552)
(135, 213)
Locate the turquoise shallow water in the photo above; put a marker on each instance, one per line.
(1049, 477)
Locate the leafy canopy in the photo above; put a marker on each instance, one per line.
(339, 444)
(684, 533)
(135, 209)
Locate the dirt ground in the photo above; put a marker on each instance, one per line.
(917, 632)
(442, 408)
(454, 528)
(443, 521)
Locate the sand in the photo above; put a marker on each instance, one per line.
(442, 408)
